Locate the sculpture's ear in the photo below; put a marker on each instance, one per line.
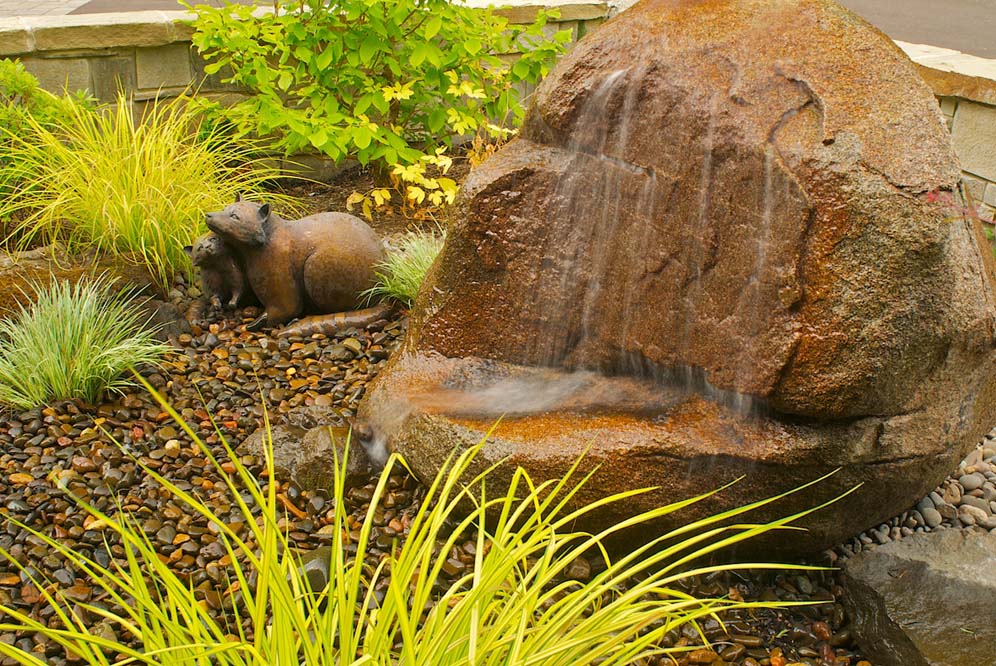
(264, 212)
(189, 250)
(238, 197)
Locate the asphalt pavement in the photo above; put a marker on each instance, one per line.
(968, 26)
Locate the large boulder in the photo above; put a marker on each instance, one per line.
(752, 208)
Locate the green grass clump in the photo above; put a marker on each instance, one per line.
(400, 275)
(515, 607)
(134, 187)
(74, 341)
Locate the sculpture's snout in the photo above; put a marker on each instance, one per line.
(211, 220)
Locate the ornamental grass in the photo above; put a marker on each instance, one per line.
(136, 187)
(401, 274)
(73, 341)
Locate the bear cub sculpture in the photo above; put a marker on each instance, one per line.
(319, 264)
(222, 279)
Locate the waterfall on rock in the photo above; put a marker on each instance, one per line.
(714, 250)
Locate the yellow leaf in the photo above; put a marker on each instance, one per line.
(470, 91)
(353, 199)
(411, 173)
(367, 212)
(416, 194)
(380, 196)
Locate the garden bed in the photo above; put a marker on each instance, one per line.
(222, 380)
(387, 221)
(224, 377)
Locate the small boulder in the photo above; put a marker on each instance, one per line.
(285, 438)
(309, 456)
(312, 416)
(928, 600)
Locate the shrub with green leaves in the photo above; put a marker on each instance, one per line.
(517, 605)
(136, 187)
(73, 341)
(21, 97)
(401, 274)
(384, 82)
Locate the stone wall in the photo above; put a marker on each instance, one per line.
(965, 86)
(149, 55)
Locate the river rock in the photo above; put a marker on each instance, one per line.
(705, 199)
(316, 567)
(927, 600)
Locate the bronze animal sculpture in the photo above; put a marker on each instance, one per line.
(222, 278)
(318, 264)
(329, 324)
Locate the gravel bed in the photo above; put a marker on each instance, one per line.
(216, 378)
(966, 499)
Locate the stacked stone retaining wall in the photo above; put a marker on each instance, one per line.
(965, 86)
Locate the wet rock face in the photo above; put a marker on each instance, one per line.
(754, 200)
(720, 164)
